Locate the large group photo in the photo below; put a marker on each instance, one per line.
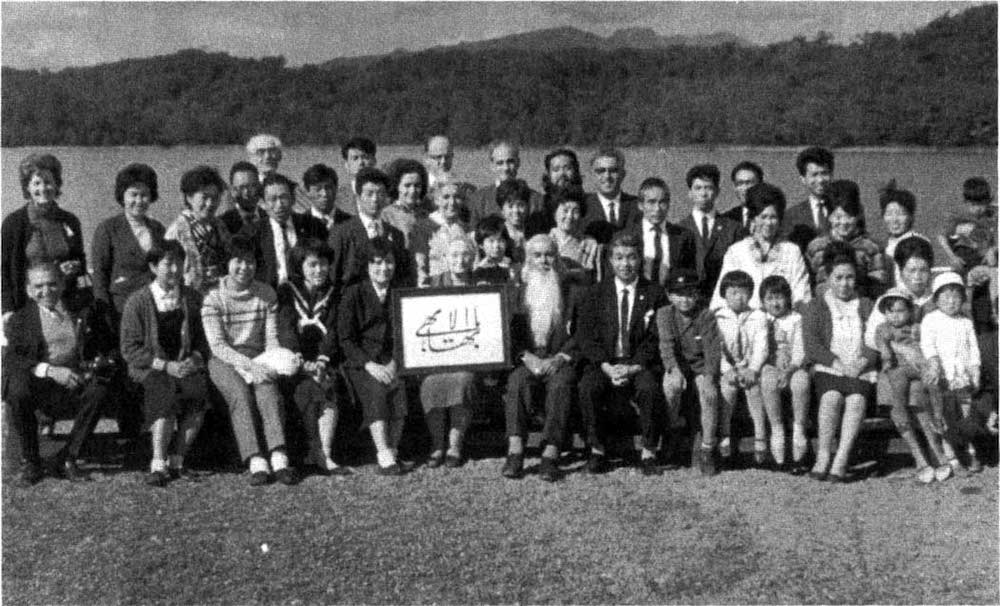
(596, 352)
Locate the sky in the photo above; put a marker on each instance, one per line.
(55, 35)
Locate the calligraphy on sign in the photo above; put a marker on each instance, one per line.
(442, 329)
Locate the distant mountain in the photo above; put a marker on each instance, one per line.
(559, 38)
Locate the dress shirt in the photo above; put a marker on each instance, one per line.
(327, 219)
(818, 212)
(649, 250)
(697, 214)
(280, 248)
(606, 204)
(372, 226)
(619, 288)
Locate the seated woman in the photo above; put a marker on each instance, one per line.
(833, 328)
(39, 231)
(364, 326)
(446, 397)
(843, 202)
(240, 320)
(200, 232)
(581, 255)
(449, 227)
(307, 324)
(122, 243)
(164, 345)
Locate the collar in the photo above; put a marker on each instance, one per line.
(697, 214)
(381, 293)
(58, 311)
(814, 202)
(366, 221)
(620, 286)
(647, 226)
(605, 201)
(840, 308)
(321, 216)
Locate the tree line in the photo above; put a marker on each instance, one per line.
(936, 87)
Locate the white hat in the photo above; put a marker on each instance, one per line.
(262, 141)
(946, 279)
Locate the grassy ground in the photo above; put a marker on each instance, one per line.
(443, 536)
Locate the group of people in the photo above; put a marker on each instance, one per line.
(282, 305)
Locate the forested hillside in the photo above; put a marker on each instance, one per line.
(937, 86)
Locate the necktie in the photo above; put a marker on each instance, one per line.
(704, 227)
(612, 217)
(821, 222)
(623, 323)
(654, 269)
(739, 339)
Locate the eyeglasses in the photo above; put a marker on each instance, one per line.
(602, 170)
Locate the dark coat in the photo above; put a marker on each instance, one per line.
(310, 341)
(14, 235)
(140, 342)
(712, 250)
(798, 226)
(681, 243)
(364, 326)
(597, 225)
(235, 224)
(306, 226)
(817, 332)
(348, 241)
(597, 330)
(119, 263)
(736, 214)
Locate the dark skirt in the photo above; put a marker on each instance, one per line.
(846, 386)
(167, 397)
(379, 402)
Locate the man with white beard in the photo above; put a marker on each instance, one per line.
(542, 344)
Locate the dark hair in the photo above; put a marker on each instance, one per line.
(378, 248)
(319, 173)
(242, 167)
(813, 155)
(365, 145)
(889, 194)
(626, 239)
(45, 264)
(844, 194)
(491, 226)
(914, 246)
(516, 189)
(400, 167)
(651, 182)
(750, 166)
(370, 174)
(310, 247)
(609, 152)
(241, 247)
(569, 194)
(199, 178)
(775, 284)
(562, 151)
(762, 195)
(976, 190)
(709, 172)
(887, 300)
(37, 163)
(839, 253)
(735, 279)
(278, 179)
(165, 249)
(133, 174)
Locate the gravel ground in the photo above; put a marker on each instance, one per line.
(447, 536)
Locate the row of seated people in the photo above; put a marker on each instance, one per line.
(623, 340)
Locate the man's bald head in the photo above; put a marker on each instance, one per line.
(439, 154)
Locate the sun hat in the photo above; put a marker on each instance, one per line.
(894, 294)
(948, 278)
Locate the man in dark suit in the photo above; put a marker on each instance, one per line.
(609, 209)
(320, 185)
(714, 234)
(505, 161)
(808, 219)
(281, 230)
(349, 239)
(618, 342)
(745, 175)
(50, 340)
(357, 153)
(664, 245)
(244, 193)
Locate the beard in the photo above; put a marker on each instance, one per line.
(542, 299)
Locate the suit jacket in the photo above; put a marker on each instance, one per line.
(345, 197)
(798, 225)
(483, 202)
(26, 345)
(119, 262)
(597, 330)
(595, 222)
(305, 226)
(736, 214)
(364, 326)
(14, 236)
(348, 241)
(711, 251)
(235, 225)
(681, 243)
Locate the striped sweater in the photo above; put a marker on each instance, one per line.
(240, 325)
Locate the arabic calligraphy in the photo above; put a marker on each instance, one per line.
(459, 328)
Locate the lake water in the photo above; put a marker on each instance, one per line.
(935, 176)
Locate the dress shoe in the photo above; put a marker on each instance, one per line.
(260, 478)
(436, 460)
(183, 473)
(71, 472)
(513, 467)
(798, 468)
(649, 467)
(837, 478)
(338, 471)
(453, 462)
(286, 476)
(819, 476)
(548, 470)
(157, 479)
(31, 474)
(393, 470)
(406, 466)
(596, 464)
(706, 461)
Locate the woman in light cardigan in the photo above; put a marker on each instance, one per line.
(844, 367)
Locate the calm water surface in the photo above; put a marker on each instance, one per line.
(935, 176)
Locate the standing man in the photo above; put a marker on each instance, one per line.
(320, 183)
(438, 157)
(745, 175)
(808, 219)
(264, 152)
(609, 210)
(282, 230)
(665, 246)
(618, 341)
(505, 161)
(560, 181)
(714, 232)
(357, 153)
(244, 193)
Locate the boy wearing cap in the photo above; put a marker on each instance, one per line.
(690, 348)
